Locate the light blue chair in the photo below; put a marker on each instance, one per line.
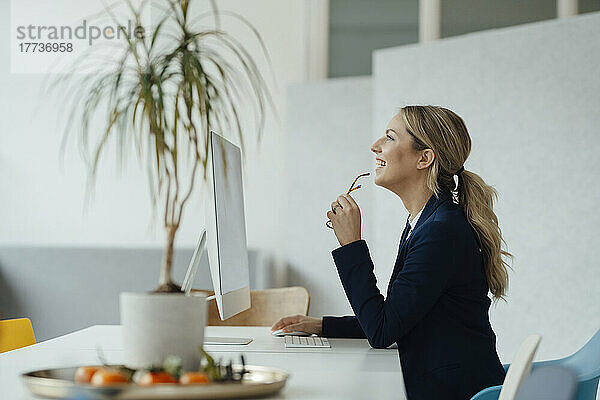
(550, 382)
(585, 363)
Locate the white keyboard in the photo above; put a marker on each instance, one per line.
(306, 342)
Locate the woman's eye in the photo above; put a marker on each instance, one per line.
(388, 137)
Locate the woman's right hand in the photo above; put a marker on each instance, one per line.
(299, 323)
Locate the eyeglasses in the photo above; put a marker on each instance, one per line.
(352, 188)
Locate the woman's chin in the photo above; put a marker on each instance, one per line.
(378, 178)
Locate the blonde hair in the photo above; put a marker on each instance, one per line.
(444, 132)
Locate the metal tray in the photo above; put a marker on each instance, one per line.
(58, 383)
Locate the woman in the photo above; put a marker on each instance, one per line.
(450, 256)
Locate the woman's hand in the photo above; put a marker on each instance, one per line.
(345, 218)
(299, 323)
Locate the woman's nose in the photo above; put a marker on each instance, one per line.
(376, 148)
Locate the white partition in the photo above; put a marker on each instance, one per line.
(530, 96)
(329, 137)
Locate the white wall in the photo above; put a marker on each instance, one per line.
(329, 127)
(529, 96)
(43, 205)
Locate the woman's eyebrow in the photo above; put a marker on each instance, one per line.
(391, 130)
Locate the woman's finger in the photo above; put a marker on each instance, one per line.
(351, 200)
(284, 322)
(335, 205)
(295, 327)
(344, 202)
(277, 325)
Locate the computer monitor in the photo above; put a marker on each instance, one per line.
(224, 236)
(226, 228)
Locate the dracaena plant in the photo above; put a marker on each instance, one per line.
(167, 89)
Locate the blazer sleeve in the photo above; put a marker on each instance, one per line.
(342, 327)
(428, 266)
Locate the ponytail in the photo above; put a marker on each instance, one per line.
(477, 200)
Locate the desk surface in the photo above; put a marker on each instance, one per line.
(351, 369)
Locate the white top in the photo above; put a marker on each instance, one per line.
(414, 223)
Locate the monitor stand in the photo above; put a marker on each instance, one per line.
(187, 288)
(226, 340)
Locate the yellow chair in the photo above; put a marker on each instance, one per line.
(15, 333)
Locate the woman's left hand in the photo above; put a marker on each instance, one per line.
(345, 218)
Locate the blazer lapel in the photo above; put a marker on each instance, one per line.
(432, 204)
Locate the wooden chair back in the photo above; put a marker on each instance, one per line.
(267, 307)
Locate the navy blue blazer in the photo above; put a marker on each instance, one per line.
(436, 308)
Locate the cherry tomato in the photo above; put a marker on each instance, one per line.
(153, 378)
(194, 378)
(106, 377)
(84, 374)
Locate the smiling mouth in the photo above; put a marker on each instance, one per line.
(380, 163)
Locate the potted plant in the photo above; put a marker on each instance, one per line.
(169, 86)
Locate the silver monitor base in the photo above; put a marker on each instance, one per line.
(226, 340)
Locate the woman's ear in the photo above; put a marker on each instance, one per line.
(426, 159)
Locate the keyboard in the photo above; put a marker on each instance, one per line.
(306, 342)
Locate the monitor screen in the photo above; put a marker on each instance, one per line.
(226, 228)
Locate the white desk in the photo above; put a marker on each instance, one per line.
(351, 369)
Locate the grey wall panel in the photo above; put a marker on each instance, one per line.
(530, 98)
(329, 136)
(358, 27)
(465, 16)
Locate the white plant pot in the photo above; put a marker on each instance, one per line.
(158, 325)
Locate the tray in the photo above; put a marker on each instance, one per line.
(58, 383)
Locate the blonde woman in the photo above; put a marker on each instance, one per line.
(450, 257)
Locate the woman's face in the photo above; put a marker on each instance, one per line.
(396, 159)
